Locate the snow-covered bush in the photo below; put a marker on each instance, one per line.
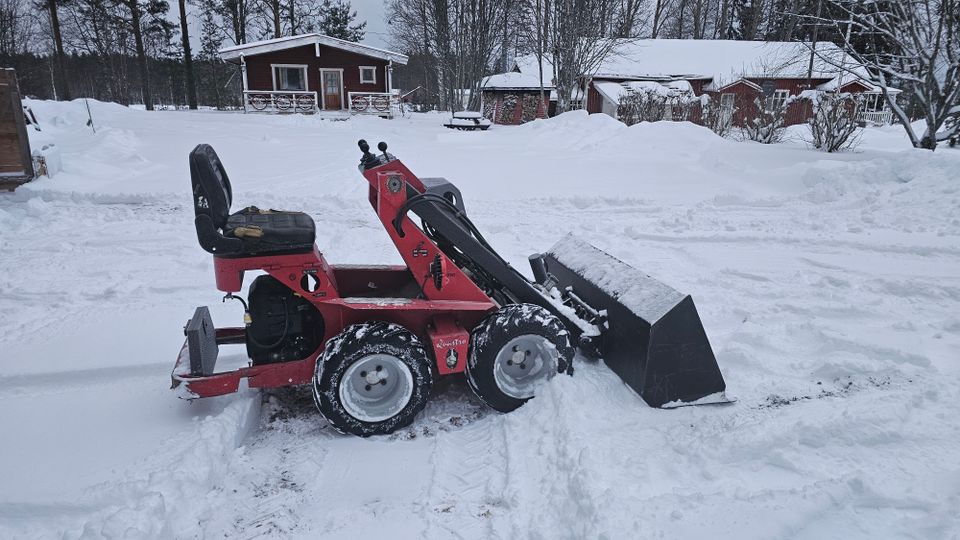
(652, 102)
(715, 117)
(834, 126)
(768, 124)
(642, 105)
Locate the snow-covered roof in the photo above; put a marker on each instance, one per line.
(719, 61)
(233, 54)
(841, 81)
(513, 80)
(613, 91)
(528, 65)
(722, 61)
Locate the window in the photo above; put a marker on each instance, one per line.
(289, 77)
(776, 101)
(874, 103)
(726, 102)
(368, 75)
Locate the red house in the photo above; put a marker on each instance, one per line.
(312, 73)
(733, 72)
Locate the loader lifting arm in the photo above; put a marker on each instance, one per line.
(646, 332)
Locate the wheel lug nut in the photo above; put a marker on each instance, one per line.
(509, 362)
(363, 373)
(526, 353)
(367, 388)
(523, 366)
(379, 368)
(383, 382)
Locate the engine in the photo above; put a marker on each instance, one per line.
(284, 326)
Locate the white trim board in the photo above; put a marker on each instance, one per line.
(232, 54)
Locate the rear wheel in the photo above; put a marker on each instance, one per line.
(513, 352)
(372, 379)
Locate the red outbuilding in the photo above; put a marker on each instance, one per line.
(311, 73)
(733, 74)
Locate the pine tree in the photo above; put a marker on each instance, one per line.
(337, 20)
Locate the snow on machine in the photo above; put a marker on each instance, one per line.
(372, 339)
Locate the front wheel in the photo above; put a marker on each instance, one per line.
(512, 353)
(372, 379)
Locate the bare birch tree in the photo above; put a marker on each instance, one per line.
(464, 37)
(914, 44)
(578, 45)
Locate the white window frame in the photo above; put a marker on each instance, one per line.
(301, 67)
(778, 99)
(727, 100)
(874, 102)
(374, 69)
(321, 92)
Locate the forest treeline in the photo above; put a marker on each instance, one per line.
(133, 51)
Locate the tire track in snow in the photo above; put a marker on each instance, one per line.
(466, 494)
(170, 494)
(548, 481)
(43, 383)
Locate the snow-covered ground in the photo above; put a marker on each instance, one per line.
(829, 286)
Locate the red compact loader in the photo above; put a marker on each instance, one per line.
(372, 339)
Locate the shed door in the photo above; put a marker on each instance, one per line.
(332, 98)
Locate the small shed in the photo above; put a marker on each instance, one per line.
(311, 73)
(16, 162)
(514, 98)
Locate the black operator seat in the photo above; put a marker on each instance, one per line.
(249, 232)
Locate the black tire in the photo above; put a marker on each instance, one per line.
(363, 344)
(495, 334)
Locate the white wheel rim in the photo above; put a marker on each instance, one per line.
(523, 363)
(376, 388)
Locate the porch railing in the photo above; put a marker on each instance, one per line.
(877, 118)
(280, 101)
(376, 103)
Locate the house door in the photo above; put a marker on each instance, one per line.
(332, 90)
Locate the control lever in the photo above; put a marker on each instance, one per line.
(387, 158)
(368, 161)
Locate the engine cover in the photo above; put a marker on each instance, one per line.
(284, 326)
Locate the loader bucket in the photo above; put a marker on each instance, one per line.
(652, 336)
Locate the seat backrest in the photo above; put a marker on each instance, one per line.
(212, 194)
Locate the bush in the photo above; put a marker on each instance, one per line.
(767, 126)
(714, 117)
(651, 105)
(641, 106)
(834, 126)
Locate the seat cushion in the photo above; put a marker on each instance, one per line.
(271, 231)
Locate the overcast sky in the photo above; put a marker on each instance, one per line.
(374, 12)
